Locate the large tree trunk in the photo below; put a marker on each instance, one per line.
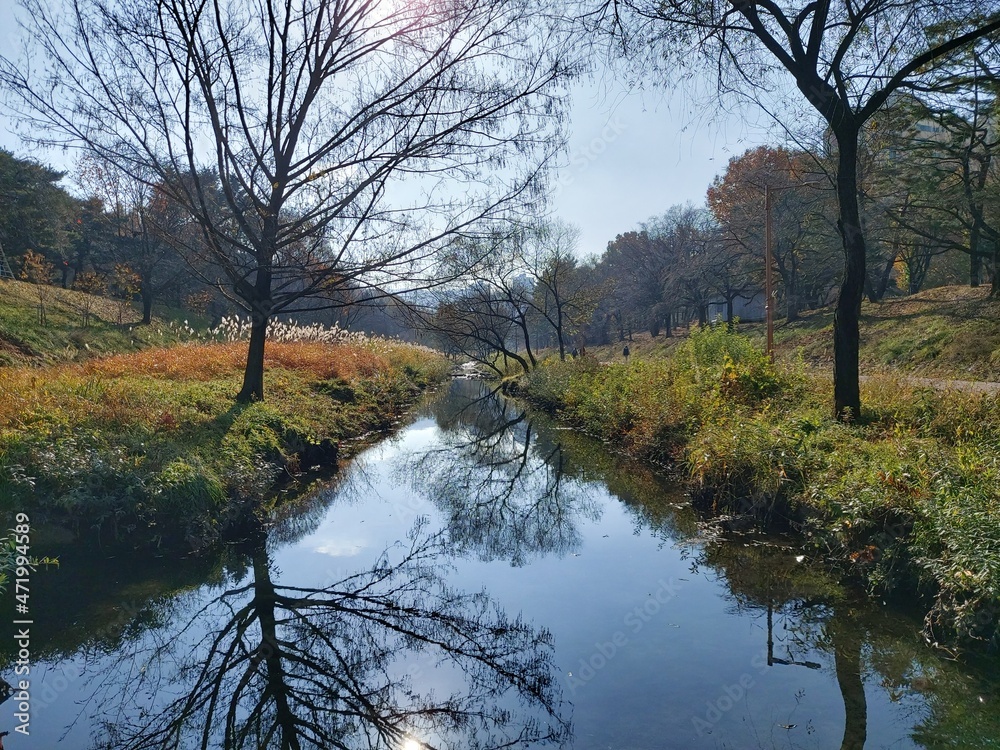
(253, 374)
(260, 315)
(846, 318)
(147, 306)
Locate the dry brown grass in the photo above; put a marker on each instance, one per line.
(956, 301)
(29, 398)
(214, 361)
(106, 390)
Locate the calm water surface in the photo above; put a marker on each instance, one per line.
(484, 579)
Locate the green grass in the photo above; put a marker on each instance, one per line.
(63, 337)
(907, 500)
(946, 332)
(150, 447)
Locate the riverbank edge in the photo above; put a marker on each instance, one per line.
(878, 523)
(141, 460)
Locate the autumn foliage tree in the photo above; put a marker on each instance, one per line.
(90, 284)
(801, 224)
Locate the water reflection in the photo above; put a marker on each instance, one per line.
(808, 618)
(503, 490)
(405, 649)
(332, 666)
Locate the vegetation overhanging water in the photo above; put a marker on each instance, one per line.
(486, 578)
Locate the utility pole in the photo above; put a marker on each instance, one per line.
(768, 279)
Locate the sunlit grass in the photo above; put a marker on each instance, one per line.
(153, 443)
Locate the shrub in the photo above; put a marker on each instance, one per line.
(186, 496)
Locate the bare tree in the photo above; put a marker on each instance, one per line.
(316, 143)
(845, 57)
(563, 296)
(488, 315)
(280, 666)
(515, 292)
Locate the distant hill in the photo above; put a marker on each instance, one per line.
(113, 326)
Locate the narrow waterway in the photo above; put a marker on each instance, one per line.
(484, 579)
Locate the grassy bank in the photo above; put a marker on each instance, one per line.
(907, 500)
(949, 332)
(946, 332)
(111, 326)
(151, 448)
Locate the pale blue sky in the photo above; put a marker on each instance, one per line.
(631, 155)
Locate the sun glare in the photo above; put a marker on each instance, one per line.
(412, 745)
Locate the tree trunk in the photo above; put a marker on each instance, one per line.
(523, 325)
(260, 316)
(669, 330)
(995, 278)
(792, 306)
(876, 292)
(975, 259)
(847, 664)
(729, 313)
(147, 307)
(846, 318)
(559, 335)
(253, 374)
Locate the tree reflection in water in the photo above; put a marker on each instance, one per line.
(503, 490)
(816, 615)
(391, 656)
(277, 666)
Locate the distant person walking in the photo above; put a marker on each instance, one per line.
(626, 352)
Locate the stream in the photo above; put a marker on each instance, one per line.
(484, 578)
